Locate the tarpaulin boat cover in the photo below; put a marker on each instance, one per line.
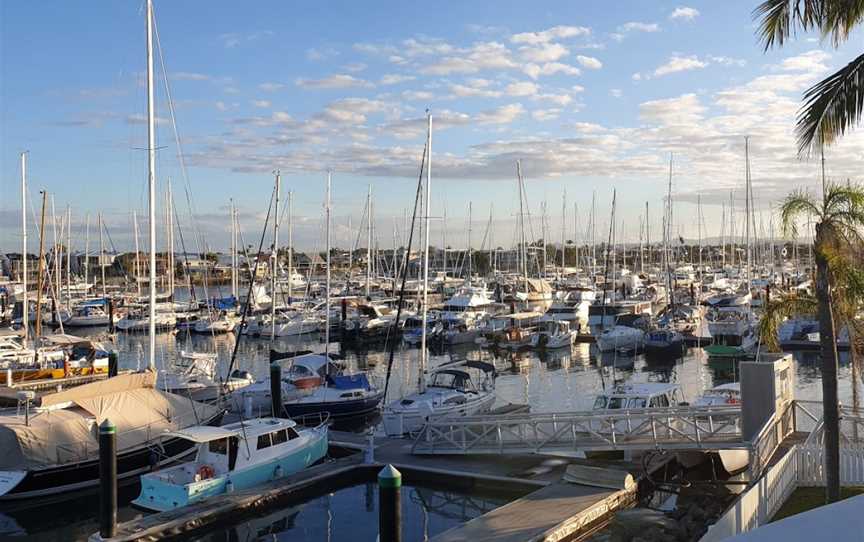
(224, 303)
(348, 382)
(141, 414)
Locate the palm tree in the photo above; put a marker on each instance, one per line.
(834, 105)
(837, 248)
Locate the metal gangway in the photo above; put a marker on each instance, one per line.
(675, 428)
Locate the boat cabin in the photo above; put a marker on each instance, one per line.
(641, 395)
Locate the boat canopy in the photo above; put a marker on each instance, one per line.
(481, 365)
(203, 433)
(62, 339)
(69, 435)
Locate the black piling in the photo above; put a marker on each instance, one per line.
(389, 505)
(53, 312)
(110, 316)
(344, 310)
(112, 364)
(276, 389)
(107, 479)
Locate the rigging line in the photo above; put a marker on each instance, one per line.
(186, 271)
(405, 271)
(251, 285)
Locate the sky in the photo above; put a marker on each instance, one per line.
(590, 96)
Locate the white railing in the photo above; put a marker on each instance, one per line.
(801, 466)
(707, 428)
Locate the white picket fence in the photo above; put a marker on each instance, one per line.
(801, 466)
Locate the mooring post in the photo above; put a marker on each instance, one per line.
(107, 479)
(344, 304)
(112, 364)
(110, 315)
(247, 406)
(370, 447)
(389, 505)
(53, 312)
(276, 389)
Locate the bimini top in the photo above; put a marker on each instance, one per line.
(203, 433)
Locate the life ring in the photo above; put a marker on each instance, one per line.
(205, 472)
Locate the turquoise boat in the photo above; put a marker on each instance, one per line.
(236, 456)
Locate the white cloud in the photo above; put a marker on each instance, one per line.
(577, 88)
(679, 64)
(501, 115)
(542, 115)
(633, 26)
(809, 61)
(270, 87)
(727, 61)
(261, 103)
(315, 55)
(550, 68)
(685, 109)
(481, 56)
(589, 62)
(557, 99)
(557, 32)
(140, 118)
(636, 76)
(352, 110)
(354, 67)
(418, 95)
(544, 52)
(521, 88)
(615, 92)
(476, 87)
(234, 39)
(333, 81)
(685, 13)
(395, 79)
(189, 76)
(220, 105)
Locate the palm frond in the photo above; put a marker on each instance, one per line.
(839, 18)
(782, 19)
(778, 310)
(831, 107)
(796, 205)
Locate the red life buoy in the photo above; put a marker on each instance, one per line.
(205, 472)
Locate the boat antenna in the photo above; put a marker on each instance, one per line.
(251, 286)
(405, 268)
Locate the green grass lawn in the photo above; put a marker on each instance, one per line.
(807, 498)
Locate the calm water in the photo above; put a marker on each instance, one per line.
(556, 381)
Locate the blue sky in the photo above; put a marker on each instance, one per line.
(590, 95)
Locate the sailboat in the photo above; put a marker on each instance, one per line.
(319, 383)
(450, 391)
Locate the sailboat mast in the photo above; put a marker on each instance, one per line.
(87, 251)
(55, 290)
(137, 251)
(593, 237)
(469, 244)
(699, 218)
(102, 255)
(170, 208)
(523, 255)
(291, 245)
(274, 260)
(25, 318)
(747, 206)
(233, 251)
(151, 183)
(421, 384)
(369, 241)
(39, 276)
(563, 230)
(327, 288)
(68, 252)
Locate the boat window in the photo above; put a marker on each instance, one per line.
(600, 402)
(219, 446)
(292, 433)
(264, 441)
(636, 402)
(279, 437)
(458, 400)
(616, 402)
(660, 401)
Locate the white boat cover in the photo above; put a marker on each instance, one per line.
(141, 414)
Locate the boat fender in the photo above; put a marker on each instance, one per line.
(205, 472)
(229, 487)
(277, 472)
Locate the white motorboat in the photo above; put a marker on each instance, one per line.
(554, 334)
(195, 375)
(733, 461)
(139, 321)
(620, 337)
(450, 391)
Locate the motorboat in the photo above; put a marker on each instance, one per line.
(620, 337)
(139, 321)
(53, 449)
(237, 456)
(195, 375)
(216, 323)
(553, 334)
(664, 343)
(87, 315)
(573, 306)
(318, 384)
(733, 461)
(450, 391)
(733, 331)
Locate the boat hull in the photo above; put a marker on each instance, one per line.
(336, 409)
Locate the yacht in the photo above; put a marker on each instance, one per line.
(733, 461)
(733, 331)
(139, 321)
(623, 335)
(233, 457)
(664, 343)
(573, 306)
(87, 315)
(450, 391)
(553, 334)
(195, 375)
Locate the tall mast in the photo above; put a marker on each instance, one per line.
(39, 279)
(25, 318)
(563, 230)
(291, 245)
(699, 218)
(369, 240)
(137, 251)
(102, 255)
(469, 244)
(593, 237)
(68, 256)
(747, 205)
(170, 209)
(151, 183)
(647, 232)
(543, 235)
(421, 384)
(55, 291)
(327, 288)
(522, 253)
(233, 250)
(87, 250)
(444, 240)
(274, 261)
